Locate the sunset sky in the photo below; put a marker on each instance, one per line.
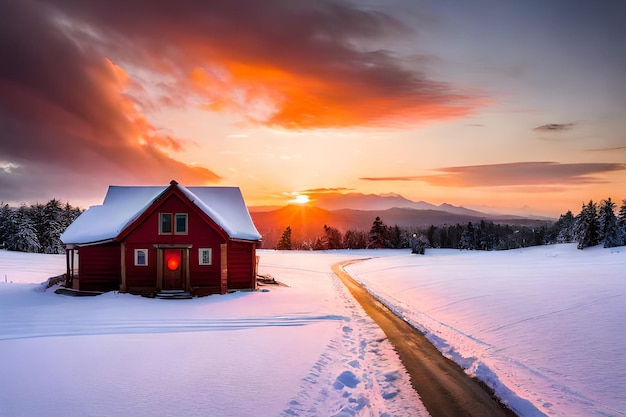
(493, 105)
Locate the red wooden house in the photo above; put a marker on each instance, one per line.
(144, 240)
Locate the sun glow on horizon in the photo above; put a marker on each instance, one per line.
(300, 199)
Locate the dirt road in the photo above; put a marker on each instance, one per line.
(442, 385)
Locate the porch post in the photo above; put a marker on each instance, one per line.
(159, 277)
(255, 267)
(187, 272)
(123, 267)
(68, 273)
(223, 268)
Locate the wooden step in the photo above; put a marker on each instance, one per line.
(173, 295)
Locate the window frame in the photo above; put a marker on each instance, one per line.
(200, 257)
(137, 252)
(175, 223)
(162, 223)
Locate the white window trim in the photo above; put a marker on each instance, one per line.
(137, 257)
(200, 251)
(175, 224)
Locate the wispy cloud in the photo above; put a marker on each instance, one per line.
(327, 190)
(615, 149)
(513, 174)
(554, 127)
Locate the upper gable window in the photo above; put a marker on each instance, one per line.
(180, 223)
(173, 223)
(165, 223)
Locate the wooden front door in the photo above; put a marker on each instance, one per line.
(172, 269)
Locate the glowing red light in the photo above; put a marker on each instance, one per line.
(172, 264)
(172, 260)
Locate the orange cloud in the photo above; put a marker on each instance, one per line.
(286, 98)
(295, 65)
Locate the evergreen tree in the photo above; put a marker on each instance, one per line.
(285, 240)
(468, 238)
(25, 239)
(455, 235)
(486, 236)
(355, 239)
(319, 244)
(395, 238)
(432, 237)
(565, 228)
(378, 234)
(68, 215)
(587, 227)
(610, 234)
(332, 237)
(8, 225)
(49, 234)
(621, 220)
(36, 214)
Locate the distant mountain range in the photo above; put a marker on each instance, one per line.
(358, 211)
(358, 201)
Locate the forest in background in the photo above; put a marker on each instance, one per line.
(37, 228)
(594, 225)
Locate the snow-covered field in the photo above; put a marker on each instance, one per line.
(544, 326)
(303, 350)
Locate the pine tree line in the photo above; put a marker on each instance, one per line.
(591, 227)
(35, 228)
(594, 226)
(379, 236)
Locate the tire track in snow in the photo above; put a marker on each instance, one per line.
(76, 327)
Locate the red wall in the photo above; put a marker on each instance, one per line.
(99, 267)
(241, 265)
(200, 235)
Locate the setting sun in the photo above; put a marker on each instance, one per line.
(300, 199)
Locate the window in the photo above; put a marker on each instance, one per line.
(165, 224)
(141, 257)
(176, 223)
(205, 256)
(181, 223)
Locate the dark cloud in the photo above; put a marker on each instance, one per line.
(513, 174)
(62, 107)
(554, 127)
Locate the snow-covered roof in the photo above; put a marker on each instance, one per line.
(124, 204)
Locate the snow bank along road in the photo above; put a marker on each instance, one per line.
(442, 385)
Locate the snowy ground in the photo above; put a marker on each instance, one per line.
(544, 326)
(302, 350)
